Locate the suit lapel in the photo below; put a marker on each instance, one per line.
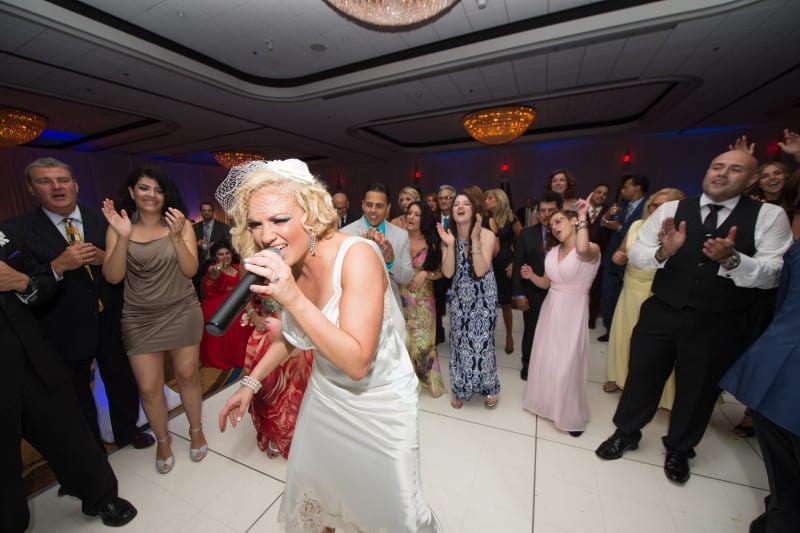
(45, 230)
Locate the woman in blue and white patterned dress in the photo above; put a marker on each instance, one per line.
(467, 258)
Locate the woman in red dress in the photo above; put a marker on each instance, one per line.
(274, 408)
(227, 350)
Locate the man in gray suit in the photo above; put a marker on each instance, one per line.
(392, 240)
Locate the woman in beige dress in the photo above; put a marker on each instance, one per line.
(153, 249)
(635, 290)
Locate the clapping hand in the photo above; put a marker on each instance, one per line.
(671, 237)
(117, 220)
(175, 221)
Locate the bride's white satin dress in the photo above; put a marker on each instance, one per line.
(354, 463)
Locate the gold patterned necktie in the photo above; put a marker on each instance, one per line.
(72, 237)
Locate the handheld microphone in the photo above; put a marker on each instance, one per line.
(235, 302)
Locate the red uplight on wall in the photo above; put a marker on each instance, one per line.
(417, 174)
(504, 168)
(626, 158)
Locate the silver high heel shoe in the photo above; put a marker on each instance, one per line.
(198, 454)
(164, 466)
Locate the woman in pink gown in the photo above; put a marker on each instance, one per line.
(559, 367)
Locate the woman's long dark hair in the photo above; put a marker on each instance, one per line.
(427, 226)
(172, 196)
(473, 220)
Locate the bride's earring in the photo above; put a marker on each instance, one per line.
(313, 243)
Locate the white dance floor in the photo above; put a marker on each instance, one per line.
(500, 470)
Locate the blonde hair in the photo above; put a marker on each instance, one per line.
(412, 192)
(503, 213)
(669, 192)
(311, 195)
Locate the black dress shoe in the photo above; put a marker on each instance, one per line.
(116, 513)
(614, 446)
(676, 466)
(576, 434)
(603, 338)
(142, 440)
(523, 374)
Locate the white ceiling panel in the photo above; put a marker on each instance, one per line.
(16, 32)
(423, 95)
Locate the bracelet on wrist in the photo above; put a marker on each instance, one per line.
(251, 383)
(660, 255)
(581, 224)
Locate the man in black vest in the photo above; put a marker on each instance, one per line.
(711, 253)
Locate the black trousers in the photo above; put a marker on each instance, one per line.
(611, 286)
(529, 320)
(120, 383)
(440, 288)
(781, 451)
(595, 296)
(50, 420)
(700, 346)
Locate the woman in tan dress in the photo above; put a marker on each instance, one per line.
(153, 249)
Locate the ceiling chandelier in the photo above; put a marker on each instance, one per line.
(231, 158)
(499, 125)
(391, 14)
(19, 127)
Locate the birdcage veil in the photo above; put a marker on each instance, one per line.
(290, 169)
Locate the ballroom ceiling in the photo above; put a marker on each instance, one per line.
(179, 79)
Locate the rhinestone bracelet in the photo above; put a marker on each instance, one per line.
(251, 383)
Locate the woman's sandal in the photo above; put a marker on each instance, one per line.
(491, 401)
(197, 454)
(744, 432)
(456, 403)
(272, 451)
(164, 466)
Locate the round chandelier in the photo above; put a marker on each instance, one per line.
(231, 158)
(391, 13)
(499, 125)
(19, 127)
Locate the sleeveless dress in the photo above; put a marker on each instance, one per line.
(227, 350)
(636, 286)
(559, 367)
(419, 310)
(160, 309)
(354, 464)
(473, 318)
(503, 258)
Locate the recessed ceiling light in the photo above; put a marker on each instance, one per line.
(318, 47)
(181, 14)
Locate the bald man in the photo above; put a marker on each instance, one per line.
(710, 253)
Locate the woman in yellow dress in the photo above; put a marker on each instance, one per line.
(635, 290)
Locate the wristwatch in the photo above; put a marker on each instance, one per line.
(732, 262)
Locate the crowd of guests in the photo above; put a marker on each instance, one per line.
(684, 286)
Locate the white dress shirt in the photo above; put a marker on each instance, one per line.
(772, 235)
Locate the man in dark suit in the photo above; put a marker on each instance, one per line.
(600, 236)
(441, 286)
(710, 253)
(207, 232)
(529, 251)
(83, 320)
(342, 205)
(38, 403)
(617, 221)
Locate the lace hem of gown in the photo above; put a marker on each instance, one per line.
(309, 517)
